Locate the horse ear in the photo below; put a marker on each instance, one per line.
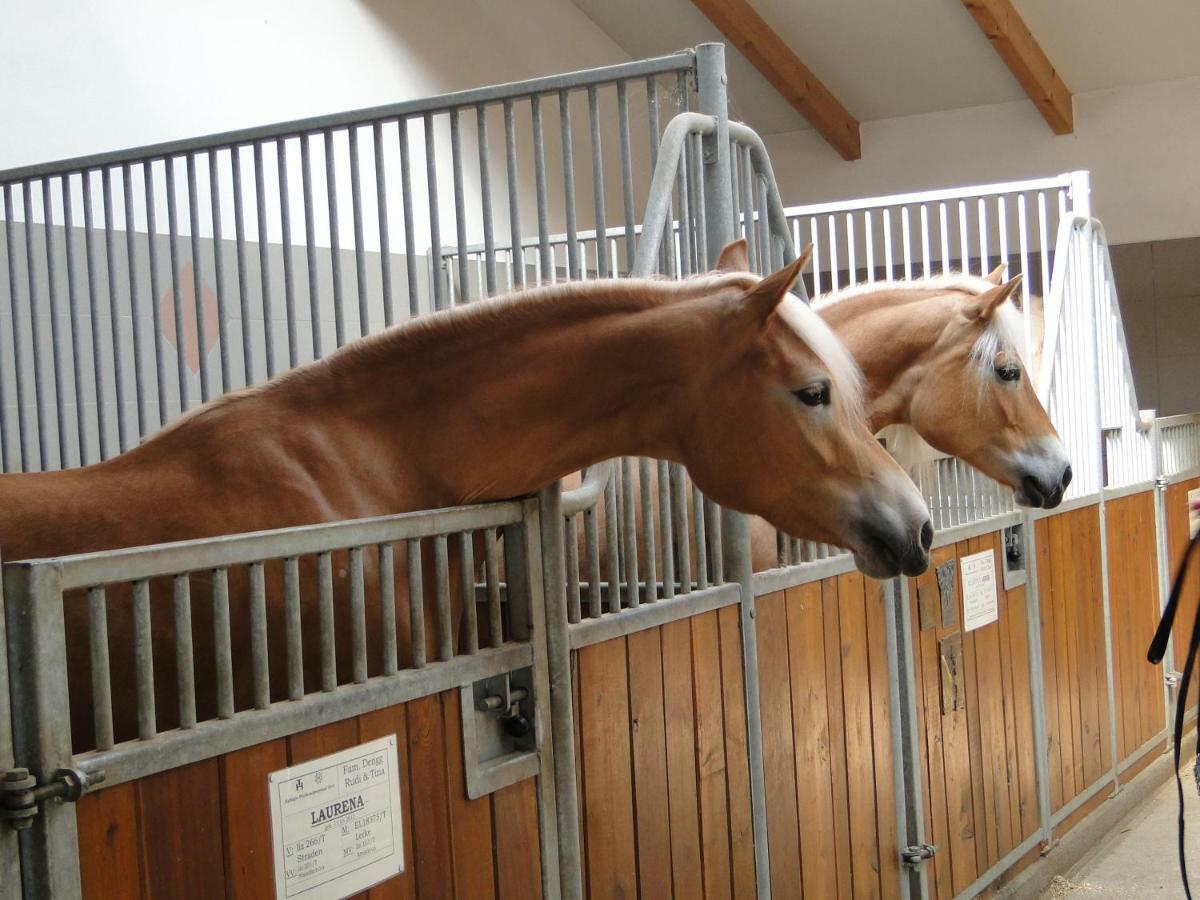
(997, 274)
(762, 299)
(983, 306)
(734, 258)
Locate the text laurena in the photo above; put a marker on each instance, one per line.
(336, 810)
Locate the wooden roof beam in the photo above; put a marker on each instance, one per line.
(766, 50)
(1019, 49)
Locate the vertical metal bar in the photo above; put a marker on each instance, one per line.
(176, 289)
(135, 313)
(410, 247)
(485, 197)
(310, 244)
(335, 247)
(460, 207)
(492, 572)
(539, 175)
(100, 671)
(358, 616)
(416, 602)
(385, 244)
(93, 307)
(598, 184)
(629, 533)
(647, 497)
(143, 660)
(611, 539)
(110, 255)
(440, 301)
(239, 235)
(185, 673)
(571, 549)
(360, 260)
(568, 160)
(214, 190)
(905, 735)
(328, 647)
(264, 261)
(293, 628)
(466, 573)
(441, 574)
(679, 514)
(1037, 690)
(222, 647)
(666, 529)
(626, 172)
(387, 607)
(74, 319)
(592, 547)
(41, 721)
(701, 548)
(197, 282)
(285, 250)
(39, 407)
(55, 338)
(716, 545)
(258, 636)
(710, 67)
(517, 264)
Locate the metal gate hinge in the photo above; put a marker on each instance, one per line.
(916, 854)
(21, 795)
(1172, 679)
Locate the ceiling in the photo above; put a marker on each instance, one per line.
(889, 58)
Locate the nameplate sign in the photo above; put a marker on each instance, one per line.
(980, 604)
(336, 822)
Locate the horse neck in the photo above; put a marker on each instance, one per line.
(890, 338)
(477, 416)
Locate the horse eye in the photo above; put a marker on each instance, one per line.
(1008, 372)
(814, 394)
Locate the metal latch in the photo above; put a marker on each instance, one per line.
(916, 854)
(21, 795)
(1172, 679)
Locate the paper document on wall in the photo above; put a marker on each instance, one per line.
(980, 599)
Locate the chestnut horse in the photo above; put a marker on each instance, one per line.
(727, 374)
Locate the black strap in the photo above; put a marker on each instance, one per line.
(1158, 649)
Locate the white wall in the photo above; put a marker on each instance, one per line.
(1139, 142)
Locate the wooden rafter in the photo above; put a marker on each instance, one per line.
(766, 50)
(1020, 50)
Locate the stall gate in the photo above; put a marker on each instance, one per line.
(698, 728)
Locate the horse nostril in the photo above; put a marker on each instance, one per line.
(927, 535)
(1066, 477)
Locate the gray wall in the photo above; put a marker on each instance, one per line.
(1158, 283)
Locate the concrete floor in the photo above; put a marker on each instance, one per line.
(1138, 858)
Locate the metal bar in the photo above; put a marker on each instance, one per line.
(440, 301)
(360, 260)
(1037, 692)
(293, 628)
(416, 603)
(176, 291)
(460, 207)
(12, 302)
(55, 337)
(647, 497)
(135, 318)
(239, 237)
(466, 577)
(258, 636)
(185, 673)
(222, 646)
(539, 175)
(335, 247)
(285, 251)
(387, 608)
(34, 330)
(74, 319)
(441, 573)
(611, 540)
(214, 190)
(592, 549)
(410, 248)
(517, 261)
(328, 646)
(571, 549)
(100, 671)
(492, 574)
(197, 281)
(310, 244)
(94, 308)
(385, 245)
(629, 533)
(626, 172)
(358, 616)
(679, 513)
(143, 660)
(485, 198)
(110, 255)
(906, 737)
(666, 529)
(653, 615)
(598, 183)
(701, 548)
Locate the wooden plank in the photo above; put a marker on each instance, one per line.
(433, 862)
(1018, 651)
(1011, 702)
(779, 752)
(518, 866)
(580, 756)
(603, 715)
(181, 818)
(810, 720)
(925, 648)
(653, 823)
(1016, 45)
(686, 864)
(876, 597)
(109, 843)
(1067, 696)
(470, 820)
(737, 765)
(710, 756)
(1119, 565)
(1046, 606)
(767, 52)
(372, 726)
(1091, 650)
(831, 615)
(985, 827)
(860, 763)
(249, 857)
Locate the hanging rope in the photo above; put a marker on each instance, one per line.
(1158, 649)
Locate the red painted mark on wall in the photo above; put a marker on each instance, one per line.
(191, 334)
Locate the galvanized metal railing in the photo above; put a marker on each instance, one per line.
(1179, 445)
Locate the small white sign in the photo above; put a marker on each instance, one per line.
(1193, 512)
(336, 822)
(980, 605)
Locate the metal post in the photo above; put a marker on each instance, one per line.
(1164, 560)
(1037, 687)
(10, 861)
(562, 715)
(37, 653)
(906, 758)
(735, 532)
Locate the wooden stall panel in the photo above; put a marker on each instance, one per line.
(664, 779)
(204, 830)
(1178, 535)
(975, 713)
